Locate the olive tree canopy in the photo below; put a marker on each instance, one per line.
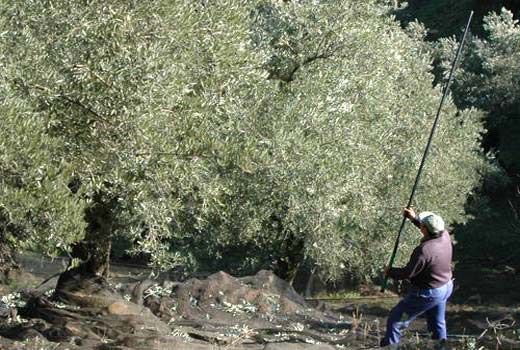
(225, 133)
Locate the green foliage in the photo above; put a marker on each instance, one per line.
(490, 80)
(229, 133)
(85, 73)
(28, 170)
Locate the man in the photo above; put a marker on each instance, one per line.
(429, 271)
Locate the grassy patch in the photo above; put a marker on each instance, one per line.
(346, 294)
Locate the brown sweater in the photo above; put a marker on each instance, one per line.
(430, 263)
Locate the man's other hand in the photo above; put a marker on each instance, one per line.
(409, 213)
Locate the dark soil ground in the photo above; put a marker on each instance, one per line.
(137, 310)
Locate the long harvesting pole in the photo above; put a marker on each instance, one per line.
(427, 149)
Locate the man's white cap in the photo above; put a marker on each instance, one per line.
(432, 221)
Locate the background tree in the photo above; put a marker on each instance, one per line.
(444, 18)
(230, 134)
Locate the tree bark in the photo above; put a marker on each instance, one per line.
(93, 252)
(8, 262)
(292, 255)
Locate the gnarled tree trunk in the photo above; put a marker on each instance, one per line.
(292, 255)
(8, 262)
(93, 252)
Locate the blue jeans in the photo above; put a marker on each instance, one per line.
(431, 302)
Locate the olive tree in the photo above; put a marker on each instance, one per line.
(142, 104)
(489, 80)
